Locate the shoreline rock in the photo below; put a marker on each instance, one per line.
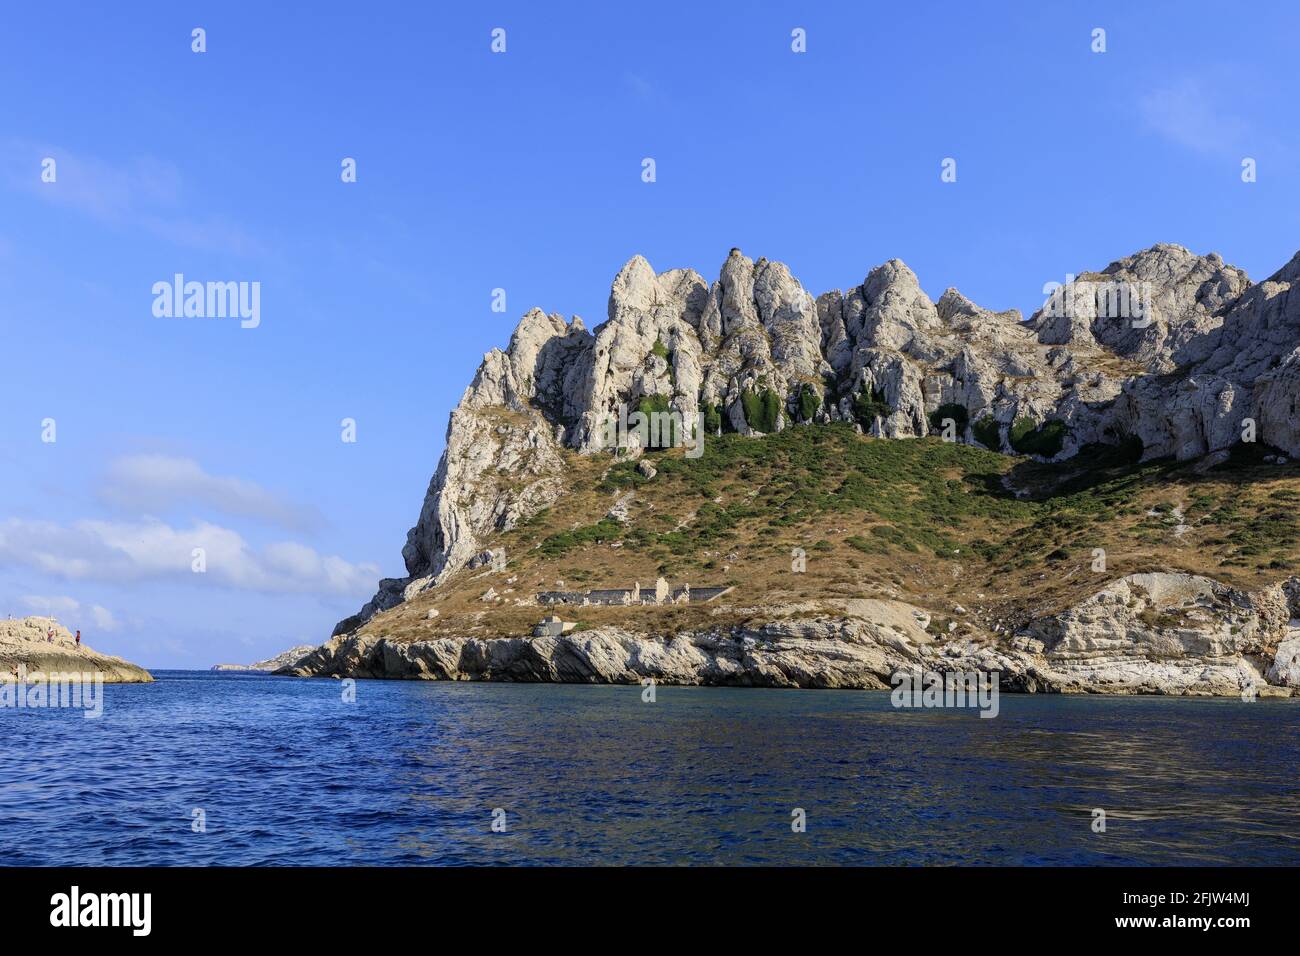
(23, 643)
(1115, 642)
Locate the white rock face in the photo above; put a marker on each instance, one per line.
(1285, 668)
(1165, 633)
(1207, 351)
(824, 652)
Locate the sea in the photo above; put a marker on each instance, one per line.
(237, 769)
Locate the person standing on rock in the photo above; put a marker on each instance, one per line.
(49, 636)
(78, 640)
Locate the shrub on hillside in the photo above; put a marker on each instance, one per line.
(762, 410)
(956, 412)
(868, 406)
(558, 544)
(1046, 439)
(712, 417)
(656, 405)
(809, 402)
(664, 353)
(988, 433)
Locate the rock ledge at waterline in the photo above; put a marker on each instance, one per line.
(24, 645)
(1227, 644)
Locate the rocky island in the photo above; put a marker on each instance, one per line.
(37, 646)
(1101, 499)
(288, 658)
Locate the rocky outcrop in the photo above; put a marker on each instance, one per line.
(1178, 350)
(1158, 633)
(287, 659)
(822, 652)
(1176, 303)
(1167, 633)
(40, 646)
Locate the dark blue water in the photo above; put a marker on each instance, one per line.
(287, 773)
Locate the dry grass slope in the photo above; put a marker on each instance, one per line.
(925, 521)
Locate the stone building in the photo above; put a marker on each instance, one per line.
(663, 593)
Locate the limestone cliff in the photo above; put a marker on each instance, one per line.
(1197, 352)
(1171, 353)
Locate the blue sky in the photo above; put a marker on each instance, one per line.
(521, 171)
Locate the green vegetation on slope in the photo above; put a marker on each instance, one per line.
(664, 437)
(810, 401)
(933, 501)
(988, 433)
(867, 406)
(712, 418)
(920, 519)
(762, 409)
(1046, 439)
(949, 411)
(606, 529)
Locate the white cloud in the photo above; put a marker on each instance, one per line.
(142, 193)
(151, 483)
(151, 549)
(1187, 113)
(70, 609)
(643, 88)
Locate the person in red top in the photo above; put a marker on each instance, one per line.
(78, 640)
